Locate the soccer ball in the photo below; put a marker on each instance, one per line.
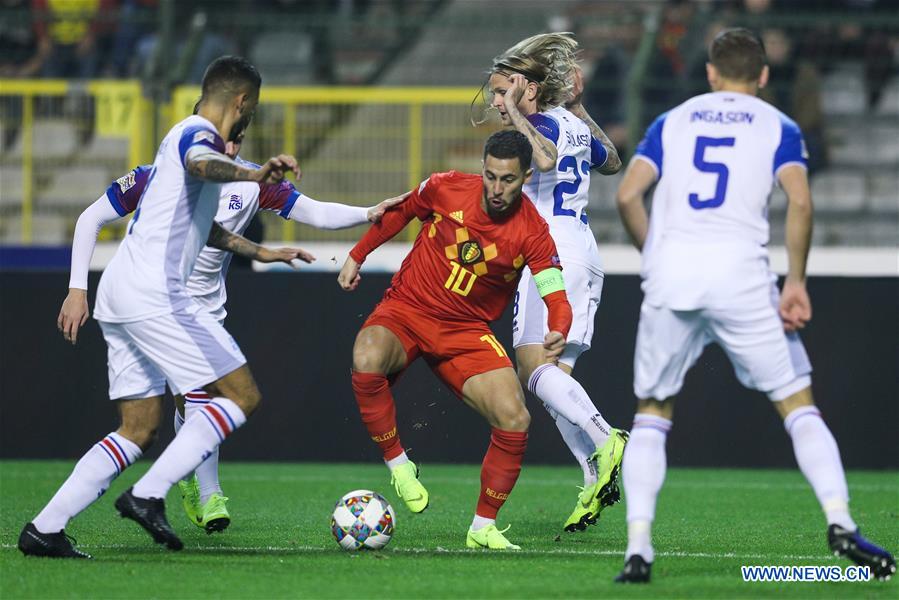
(362, 519)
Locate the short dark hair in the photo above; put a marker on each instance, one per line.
(738, 54)
(510, 144)
(229, 76)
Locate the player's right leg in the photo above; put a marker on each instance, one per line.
(497, 396)
(192, 349)
(564, 398)
(668, 343)
(378, 353)
(139, 386)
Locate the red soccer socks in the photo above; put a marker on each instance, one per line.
(500, 469)
(378, 411)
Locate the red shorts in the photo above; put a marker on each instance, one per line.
(455, 350)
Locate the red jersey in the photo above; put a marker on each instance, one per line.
(464, 264)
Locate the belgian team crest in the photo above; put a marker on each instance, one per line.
(470, 252)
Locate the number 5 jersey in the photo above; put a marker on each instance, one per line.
(716, 157)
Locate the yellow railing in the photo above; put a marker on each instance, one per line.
(119, 111)
(433, 124)
(355, 145)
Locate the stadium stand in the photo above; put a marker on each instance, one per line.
(832, 70)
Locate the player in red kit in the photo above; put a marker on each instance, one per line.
(476, 237)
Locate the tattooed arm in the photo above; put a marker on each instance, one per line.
(216, 167)
(545, 153)
(221, 238)
(613, 161)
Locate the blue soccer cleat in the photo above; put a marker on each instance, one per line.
(853, 546)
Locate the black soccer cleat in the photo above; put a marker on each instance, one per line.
(216, 525)
(853, 546)
(636, 570)
(52, 545)
(149, 513)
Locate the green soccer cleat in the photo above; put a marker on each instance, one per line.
(190, 498)
(489, 538)
(585, 511)
(404, 479)
(215, 514)
(593, 499)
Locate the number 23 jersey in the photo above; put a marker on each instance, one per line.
(561, 194)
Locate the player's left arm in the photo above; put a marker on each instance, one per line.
(795, 304)
(291, 204)
(602, 145)
(543, 260)
(333, 215)
(551, 287)
(221, 238)
(638, 178)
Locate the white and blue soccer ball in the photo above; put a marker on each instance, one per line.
(362, 519)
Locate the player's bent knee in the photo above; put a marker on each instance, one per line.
(524, 375)
(368, 360)
(528, 358)
(141, 435)
(659, 408)
(792, 396)
(248, 401)
(513, 419)
(794, 388)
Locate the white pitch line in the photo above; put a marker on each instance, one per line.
(543, 482)
(466, 551)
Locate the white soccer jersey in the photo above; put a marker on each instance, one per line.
(560, 194)
(238, 203)
(148, 274)
(717, 156)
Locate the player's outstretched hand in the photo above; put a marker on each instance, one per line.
(553, 345)
(517, 86)
(284, 255)
(377, 211)
(795, 305)
(349, 277)
(275, 168)
(73, 314)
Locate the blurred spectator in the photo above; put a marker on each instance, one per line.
(667, 72)
(137, 19)
(18, 42)
(67, 37)
(794, 87)
(197, 44)
(604, 93)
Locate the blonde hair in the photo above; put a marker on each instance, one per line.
(547, 59)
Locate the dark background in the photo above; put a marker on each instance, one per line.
(297, 332)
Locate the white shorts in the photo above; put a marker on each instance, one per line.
(583, 286)
(188, 349)
(764, 356)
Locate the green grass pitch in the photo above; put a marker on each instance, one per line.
(710, 522)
